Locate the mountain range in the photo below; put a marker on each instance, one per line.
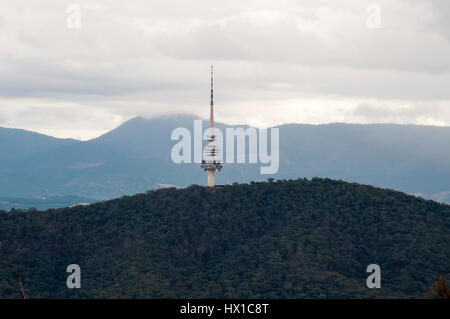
(135, 157)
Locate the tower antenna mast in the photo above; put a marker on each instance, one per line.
(211, 108)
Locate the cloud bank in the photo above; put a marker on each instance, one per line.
(313, 61)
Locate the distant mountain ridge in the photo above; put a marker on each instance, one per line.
(17, 143)
(135, 157)
(40, 203)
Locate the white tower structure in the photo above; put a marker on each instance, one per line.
(210, 162)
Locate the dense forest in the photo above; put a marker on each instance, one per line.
(275, 239)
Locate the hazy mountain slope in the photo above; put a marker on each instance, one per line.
(291, 239)
(41, 203)
(132, 158)
(16, 143)
(135, 157)
(415, 159)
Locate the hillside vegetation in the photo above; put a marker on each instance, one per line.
(286, 239)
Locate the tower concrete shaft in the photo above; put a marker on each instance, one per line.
(211, 177)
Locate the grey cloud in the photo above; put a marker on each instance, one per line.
(404, 114)
(439, 21)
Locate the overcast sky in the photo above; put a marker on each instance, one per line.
(305, 61)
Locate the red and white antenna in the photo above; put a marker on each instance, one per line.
(211, 108)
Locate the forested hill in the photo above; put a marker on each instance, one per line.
(285, 239)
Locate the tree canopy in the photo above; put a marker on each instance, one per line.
(277, 239)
